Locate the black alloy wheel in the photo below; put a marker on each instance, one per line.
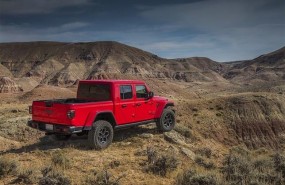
(166, 122)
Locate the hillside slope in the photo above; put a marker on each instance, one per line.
(269, 67)
(64, 63)
(228, 116)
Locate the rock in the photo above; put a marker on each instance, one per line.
(55, 149)
(146, 135)
(15, 111)
(188, 153)
(174, 137)
(7, 85)
(125, 143)
(114, 164)
(173, 149)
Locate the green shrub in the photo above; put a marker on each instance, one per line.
(201, 162)
(7, 167)
(261, 165)
(190, 177)
(53, 177)
(59, 159)
(103, 178)
(160, 164)
(240, 167)
(205, 151)
(25, 177)
(239, 150)
(279, 164)
(236, 168)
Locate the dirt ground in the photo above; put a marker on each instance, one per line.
(213, 117)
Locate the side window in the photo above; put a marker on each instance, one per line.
(126, 92)
(141, 91)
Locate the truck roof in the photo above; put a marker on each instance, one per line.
(113, 81)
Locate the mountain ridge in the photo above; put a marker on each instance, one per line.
(64, 63)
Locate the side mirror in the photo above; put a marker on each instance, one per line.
(150, 94)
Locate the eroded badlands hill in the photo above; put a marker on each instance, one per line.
(64, 63)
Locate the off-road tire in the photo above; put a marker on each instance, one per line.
(61, 137)
(101, 135)
(166, 122)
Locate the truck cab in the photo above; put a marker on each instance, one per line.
(100, 107)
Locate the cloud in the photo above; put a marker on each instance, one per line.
(219, 29)
(73, 25)
(236, 44)
(216, 15)
(25, 32)
(223, 30)
(14, 7)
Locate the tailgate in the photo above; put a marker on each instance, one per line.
(50, 112)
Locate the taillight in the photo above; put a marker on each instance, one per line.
(71, 114)
(30, 109)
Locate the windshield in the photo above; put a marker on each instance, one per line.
(97, 92)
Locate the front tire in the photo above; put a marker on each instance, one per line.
(101, 135)
(166, 122)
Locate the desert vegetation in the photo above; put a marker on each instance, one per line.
(230, 118)
(239, 166)
(160, 164)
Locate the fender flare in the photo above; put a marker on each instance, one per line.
(94, 115)
(160, 111)
(169, 104)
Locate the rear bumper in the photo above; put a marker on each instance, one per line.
(54, 128)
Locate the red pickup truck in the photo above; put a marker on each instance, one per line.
(100, 107)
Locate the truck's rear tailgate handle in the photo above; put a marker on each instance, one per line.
(124, 105)
(48, 103)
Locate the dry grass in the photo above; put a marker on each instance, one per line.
(191, 177)
(207, 134)
(160, 164)
(52, 176)
(60, 159)
(7, 166)
(103, 177)
(25, 176)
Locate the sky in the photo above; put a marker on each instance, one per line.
(223, 30)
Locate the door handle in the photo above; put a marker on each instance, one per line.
(138, 104)
(124, 105)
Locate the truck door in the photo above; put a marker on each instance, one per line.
(145, 108)
(125, 108)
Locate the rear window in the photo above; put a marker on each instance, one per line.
(97, 92)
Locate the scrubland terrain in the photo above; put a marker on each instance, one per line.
(230, 118)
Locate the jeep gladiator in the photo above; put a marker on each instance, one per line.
(100, 107)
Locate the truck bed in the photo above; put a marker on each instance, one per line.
(65, 101)
(55, 111)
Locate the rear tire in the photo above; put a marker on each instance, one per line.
(101, 135)
(61, 137)
(166, 122)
